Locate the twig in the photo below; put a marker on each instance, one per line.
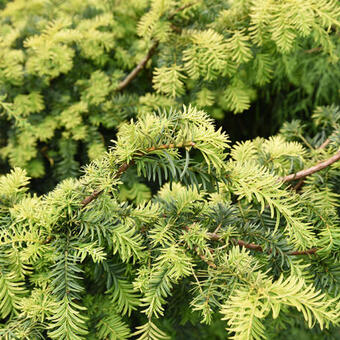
(180, 9)
(257, 247)
(197, 251)
(313, 50)
(304, 173)
(133, 74)
(304, 252)
(165, 147)
(48, 239)
(203, 257)
(87, 200)
(217, 229)
(251, 246)
(215, 237)
(298, 185)
(324, 144)
(125, 166)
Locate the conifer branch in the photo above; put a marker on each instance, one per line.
(257, 247)
(133, 74)
(207, 261)
(298, 185)
(324, 144)
(90, 198)
(251, 246)
(313, 50)
(125, 166)
(180, 9)
(318, 167)
(137, 253)
(304, 252)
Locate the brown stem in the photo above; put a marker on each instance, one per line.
(257, 247)
(125, 166)
(251, 246)
(313, 50)
(304, 252)
(298, 186)
(180, 9)
(133, 74)
(304, 173)
(217, 229)
(176, 29)
(48, 239)
(324, 144)
(165, 147)
(203, 257)
(87, 200)
(214, 237)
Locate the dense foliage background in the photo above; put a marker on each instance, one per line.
(63, 66)
(193, 222)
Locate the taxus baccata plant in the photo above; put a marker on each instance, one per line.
(69, 71)
(246, 234)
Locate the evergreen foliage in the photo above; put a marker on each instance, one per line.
(68, 74)
(175, 231)
(248, 235)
